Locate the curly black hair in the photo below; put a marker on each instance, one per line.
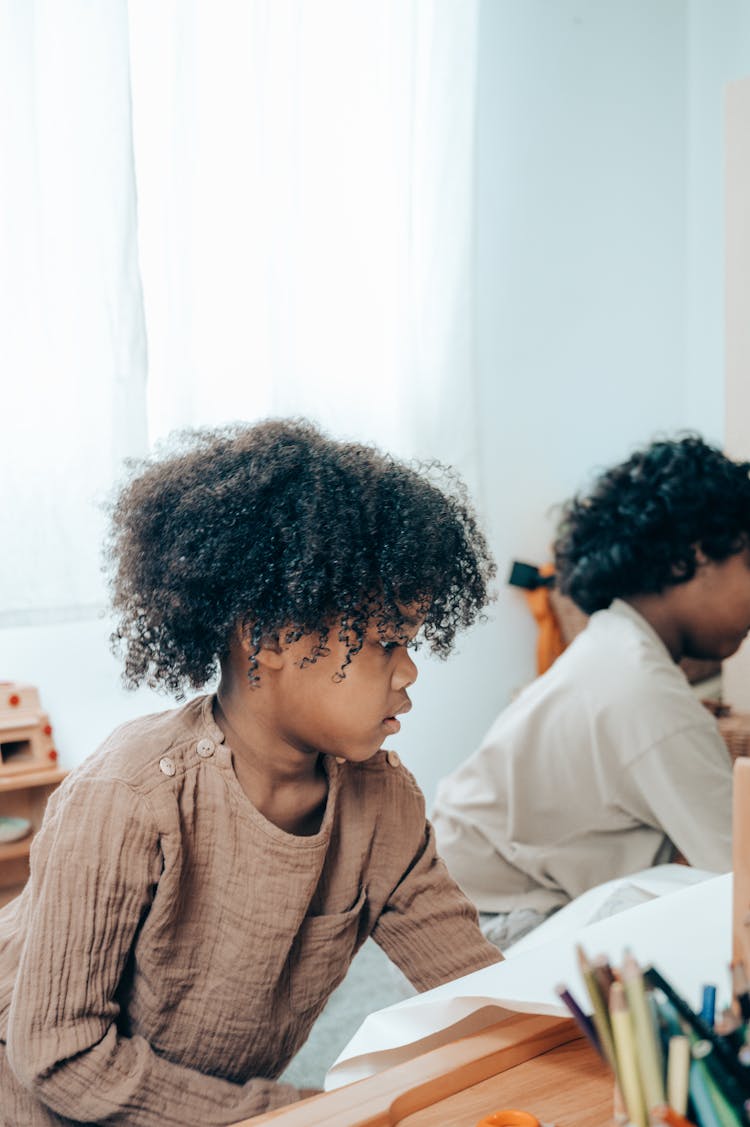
(284, 532)
(637, 530)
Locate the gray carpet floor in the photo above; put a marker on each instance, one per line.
(371, 983)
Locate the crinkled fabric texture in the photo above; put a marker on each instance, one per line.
(506, 928)
(172, 948)
(600, 768)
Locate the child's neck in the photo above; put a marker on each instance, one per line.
(660, 615)
(286, 786)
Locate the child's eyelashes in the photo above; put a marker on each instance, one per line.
(388, 646)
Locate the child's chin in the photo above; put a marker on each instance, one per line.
(359, 755)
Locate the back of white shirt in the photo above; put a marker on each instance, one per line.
(600, 768)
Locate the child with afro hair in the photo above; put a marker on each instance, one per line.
(608, 763)
(201, 884)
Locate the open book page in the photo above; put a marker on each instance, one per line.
(607, 900)
(686, 934)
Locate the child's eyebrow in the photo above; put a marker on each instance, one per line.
(407, 620)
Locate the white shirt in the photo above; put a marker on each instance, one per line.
(600, 768)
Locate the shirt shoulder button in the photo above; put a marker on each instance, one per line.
(205, 748)
(166, 766)
(392, 758)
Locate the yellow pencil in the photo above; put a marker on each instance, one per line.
(649, 1056)
(627, 1056)
(678, 1070)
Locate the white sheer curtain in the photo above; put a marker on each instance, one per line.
(304, 174)
(72, 343)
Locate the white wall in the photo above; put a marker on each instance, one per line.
(718, 51)
(736, 671)
(78, 679)
(599, 318)
(599, 284)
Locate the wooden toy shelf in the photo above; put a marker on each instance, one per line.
(23, 795)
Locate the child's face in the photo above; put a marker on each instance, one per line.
(349, 717)
(719, 617)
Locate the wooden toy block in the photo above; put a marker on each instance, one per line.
(26, 742)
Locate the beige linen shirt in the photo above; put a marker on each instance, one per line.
(173, 948)
(600, 768)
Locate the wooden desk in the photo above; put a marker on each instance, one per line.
(539, 1064)
(568, 1086)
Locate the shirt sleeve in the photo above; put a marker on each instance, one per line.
(94, 868)
(683, 786)
(428, 927)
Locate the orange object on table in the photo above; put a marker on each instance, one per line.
(671, 1118)
(509, 1117)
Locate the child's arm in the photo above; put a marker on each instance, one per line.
(95, 865)
(428, 927)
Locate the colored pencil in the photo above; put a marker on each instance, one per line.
(708, 1004)
(678, 1070)
(653, 1009)
(705, 1051)
(600, 1014)
(724, 1053)
(626, 1052)
(669, 1117)
(724, 1115)
(649, 1057)
(582, 1020)
(701, 1097)
(604, 974)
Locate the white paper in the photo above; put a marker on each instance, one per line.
(607, 900)
(685, 934)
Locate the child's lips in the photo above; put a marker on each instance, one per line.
(392, 723)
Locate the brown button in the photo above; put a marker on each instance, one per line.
(393, 759)
(205, 748)
(166, 766)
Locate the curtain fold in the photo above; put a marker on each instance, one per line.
(305, 178)
(303, 171)
(71, 316)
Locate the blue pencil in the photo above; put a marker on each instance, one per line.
(708, 1005)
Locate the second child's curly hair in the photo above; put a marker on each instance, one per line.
(637, 530)
(284, 532)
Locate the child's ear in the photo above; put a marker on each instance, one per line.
(700, 556)
(270, 655)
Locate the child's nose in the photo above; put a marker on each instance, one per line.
(405, 672)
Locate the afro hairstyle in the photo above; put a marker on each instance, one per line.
(282, 532)
(637, 530)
